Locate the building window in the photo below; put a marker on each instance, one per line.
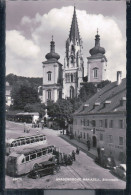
(71, 92)
(121, 124)
(121, 140)
(101, 123)
(93, 123)
(105, 123)
(111, 124)
(87, 122)
(101, 137)
(49, 76)
(71, 78)
(49, 94)
(110, 139)
(84, 123)
(95, 72)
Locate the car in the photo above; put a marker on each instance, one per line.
(106, 162)
(43, 169)
(120, 171)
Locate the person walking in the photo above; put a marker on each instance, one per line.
(77, 150)
(73, 155)
(88, 145)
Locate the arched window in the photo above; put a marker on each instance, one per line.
(49, 75)
(95, 72)
(49, 94)
(71, 92)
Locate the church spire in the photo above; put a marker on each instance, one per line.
(74, 30)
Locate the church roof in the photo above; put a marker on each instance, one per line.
(108, 100)
(74, 30)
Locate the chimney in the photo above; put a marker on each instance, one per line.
(119, 77)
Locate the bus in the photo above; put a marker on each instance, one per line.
(22, 142)
(22, 162)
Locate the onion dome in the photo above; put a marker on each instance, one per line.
(97, 49)
(52, 54)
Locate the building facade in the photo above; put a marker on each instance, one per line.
(102, 120)
(73, 70)
(97, 63)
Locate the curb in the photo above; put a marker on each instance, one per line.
(83, 150)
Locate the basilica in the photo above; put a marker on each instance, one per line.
(65, 80)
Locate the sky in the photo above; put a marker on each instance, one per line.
(31, 24)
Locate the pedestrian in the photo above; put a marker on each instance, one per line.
(77, 150)
(89, 145)
(24, 127)
(73, 155)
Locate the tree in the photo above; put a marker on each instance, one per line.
(24, 94)
(87, 90)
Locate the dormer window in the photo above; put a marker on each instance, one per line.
(95, 72)
(49, 75)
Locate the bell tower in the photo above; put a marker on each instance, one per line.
(73, 70)
(97, 62)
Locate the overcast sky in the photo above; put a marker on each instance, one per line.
(30, 25)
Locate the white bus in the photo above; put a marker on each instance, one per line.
(19, 163)
(22, 142)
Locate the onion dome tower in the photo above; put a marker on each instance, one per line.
(52, 55)
(97, 62)
(52, 76)
(73, 71)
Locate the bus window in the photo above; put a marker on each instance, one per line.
(33, 156)
(22, 142)
(37, 139)
(49, 150)
(41, 138)
(44, 152)
(23, 160)
(11, 145)
(39, 154)
(27, 158)
(32, 140)
(28, 141)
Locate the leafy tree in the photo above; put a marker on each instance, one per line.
(24, 94)
(87, 90)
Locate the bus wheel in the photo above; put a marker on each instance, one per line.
(35, 166)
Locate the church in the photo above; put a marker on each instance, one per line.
(64, 80)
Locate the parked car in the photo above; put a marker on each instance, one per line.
(45, 168)
(120, 171)
(106, 162)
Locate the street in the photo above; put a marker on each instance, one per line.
(83, 174)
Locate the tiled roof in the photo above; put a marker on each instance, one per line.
(108, 99)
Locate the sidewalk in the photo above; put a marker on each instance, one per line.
(92, 153)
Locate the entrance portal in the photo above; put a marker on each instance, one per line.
(94, 141)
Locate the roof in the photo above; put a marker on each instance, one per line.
(108, 99)
(28, 113)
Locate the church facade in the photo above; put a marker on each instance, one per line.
(64, 81)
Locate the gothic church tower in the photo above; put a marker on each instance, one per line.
(73, 70)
